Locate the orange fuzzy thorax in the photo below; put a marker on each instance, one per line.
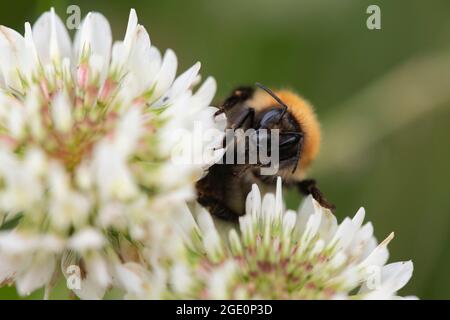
(304, 113)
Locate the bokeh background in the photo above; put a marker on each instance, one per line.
(383, 97)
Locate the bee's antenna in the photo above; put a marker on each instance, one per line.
(273, 95)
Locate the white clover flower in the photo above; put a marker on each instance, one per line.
(85, 145)
(279, 254)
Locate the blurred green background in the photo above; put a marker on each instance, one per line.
(383, 97)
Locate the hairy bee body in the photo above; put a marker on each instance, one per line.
(224, 189)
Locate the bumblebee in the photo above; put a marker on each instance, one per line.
(224, 189)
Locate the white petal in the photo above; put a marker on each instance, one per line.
(61, 112)
(166, 74)
(131, 27)
(180, 85)
(97, 269)
(10, 266)
(86, 239)
(344, 235)
(211, 238)
(139, 63)
(131, 277)
(12, 50)
(278, 198)
(181, 279)
(15, 243)
(206, 92)
(38, 274)
(305, 210)
(51, 38)
(380, 254)
(220, 280)
(358, 219)
(395, 276)
(95, 34)
(253, 202)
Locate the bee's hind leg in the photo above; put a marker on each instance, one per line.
(217, 208)
(309, 186)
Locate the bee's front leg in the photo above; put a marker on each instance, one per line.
(238, 96)
(217, 208)
(309, 187)
(248, 114)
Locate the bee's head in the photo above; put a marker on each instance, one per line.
(299, 131)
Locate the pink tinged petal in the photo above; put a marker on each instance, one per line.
(82, 76)
(94, 38)
(51, 38)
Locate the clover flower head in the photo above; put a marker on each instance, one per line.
(282, 254)
(85, 147)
